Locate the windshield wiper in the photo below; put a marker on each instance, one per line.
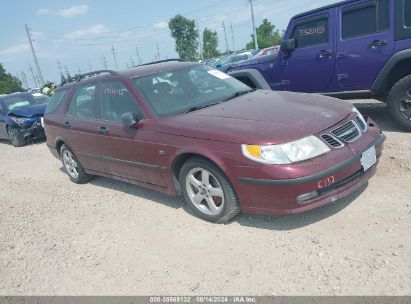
(238, 94)
(195, 108)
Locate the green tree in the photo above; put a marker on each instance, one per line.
(184, 32)
(267, 36)
(210, 43)
(8, 83)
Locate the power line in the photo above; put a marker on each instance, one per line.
(34, 56)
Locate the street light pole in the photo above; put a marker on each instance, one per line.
(254, 30)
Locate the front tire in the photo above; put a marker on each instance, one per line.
(73, 167)
(14, 137)
(399, 102)
(208, 191)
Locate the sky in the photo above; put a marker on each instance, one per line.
(80, 34)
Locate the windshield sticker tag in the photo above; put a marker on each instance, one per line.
(218, 74)
(112, 91)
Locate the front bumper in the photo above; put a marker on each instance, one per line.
(35, 131)
(280, 196)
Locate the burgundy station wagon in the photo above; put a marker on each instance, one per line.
(185, 128)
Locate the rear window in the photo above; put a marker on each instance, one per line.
(376, 13)
(407, 13)
(55, 100)
(311, 33)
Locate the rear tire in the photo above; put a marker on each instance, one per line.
(72, 166)
(207, 191)
(399, 102)
(14, 137)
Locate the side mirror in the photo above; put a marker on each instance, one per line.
(288, 45)
(130, 119)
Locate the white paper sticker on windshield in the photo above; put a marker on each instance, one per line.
(218, 74)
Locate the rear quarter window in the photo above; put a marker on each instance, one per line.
(56, 100)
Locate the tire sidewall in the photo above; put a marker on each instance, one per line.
(14, 137)
(222, 179)
(397, 92)
(82, 176)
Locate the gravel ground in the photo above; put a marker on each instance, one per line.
(108, 237)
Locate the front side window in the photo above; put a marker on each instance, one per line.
(364, 20)
(83, 103)
(115, 101)
(311, 33)
(55, 100)
(407, 13)
(186, 89)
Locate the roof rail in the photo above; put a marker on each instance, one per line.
(79, 77)
(161, 61)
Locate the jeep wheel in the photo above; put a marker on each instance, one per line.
(399, 102)
(15, 138)
(207, 191)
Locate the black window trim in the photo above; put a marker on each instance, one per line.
(75, 91)
(67, 96)
(322, 15)
(354, 7)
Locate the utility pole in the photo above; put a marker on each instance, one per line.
(67, 71)
(138, 56)
(158, 52)
(232, 35)
(113, 51)
(34, 77)
(132, 61)
(225, 36)
(59, 67)
(200, 47)
(24, 78)
(34, 56)
(104, 62)
(254, 30)
(89, 65)
(79, 71)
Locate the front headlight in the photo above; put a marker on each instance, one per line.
(20, 120)
(292, 152)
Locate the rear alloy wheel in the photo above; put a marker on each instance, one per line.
(208, 192)
(15, 138)
(73, 166)
(399, 102)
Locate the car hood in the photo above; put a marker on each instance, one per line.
(253, 61)
(260, 117)
(29, 111)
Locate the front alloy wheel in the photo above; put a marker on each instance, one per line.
(208, 191)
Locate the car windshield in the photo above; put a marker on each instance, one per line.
(188, 89)
(15, 102)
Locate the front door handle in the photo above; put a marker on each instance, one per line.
(66, 125)
(324, 54)
(377, 43)
(102, 130)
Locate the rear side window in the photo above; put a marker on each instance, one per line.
(56, 100)
(115, 101)
(407, 13)
(311, 33)
(364, 20)
(83, 103)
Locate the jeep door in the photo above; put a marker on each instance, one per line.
(365, 42)
(127, 152)
(311, 66)
(79, 127)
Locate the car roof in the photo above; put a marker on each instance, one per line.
(138, 71)
(317, 10)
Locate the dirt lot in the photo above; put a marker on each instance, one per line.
(108, 237)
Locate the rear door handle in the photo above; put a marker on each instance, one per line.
(102, 130)
(324, 54)
(66, 125)
(377, 43)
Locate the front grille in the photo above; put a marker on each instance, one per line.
(332, 141)
(348, 132)
(360, 123)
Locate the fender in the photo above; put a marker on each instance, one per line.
(255, 77)
(384, 80)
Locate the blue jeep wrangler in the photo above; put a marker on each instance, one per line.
(351, 49)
